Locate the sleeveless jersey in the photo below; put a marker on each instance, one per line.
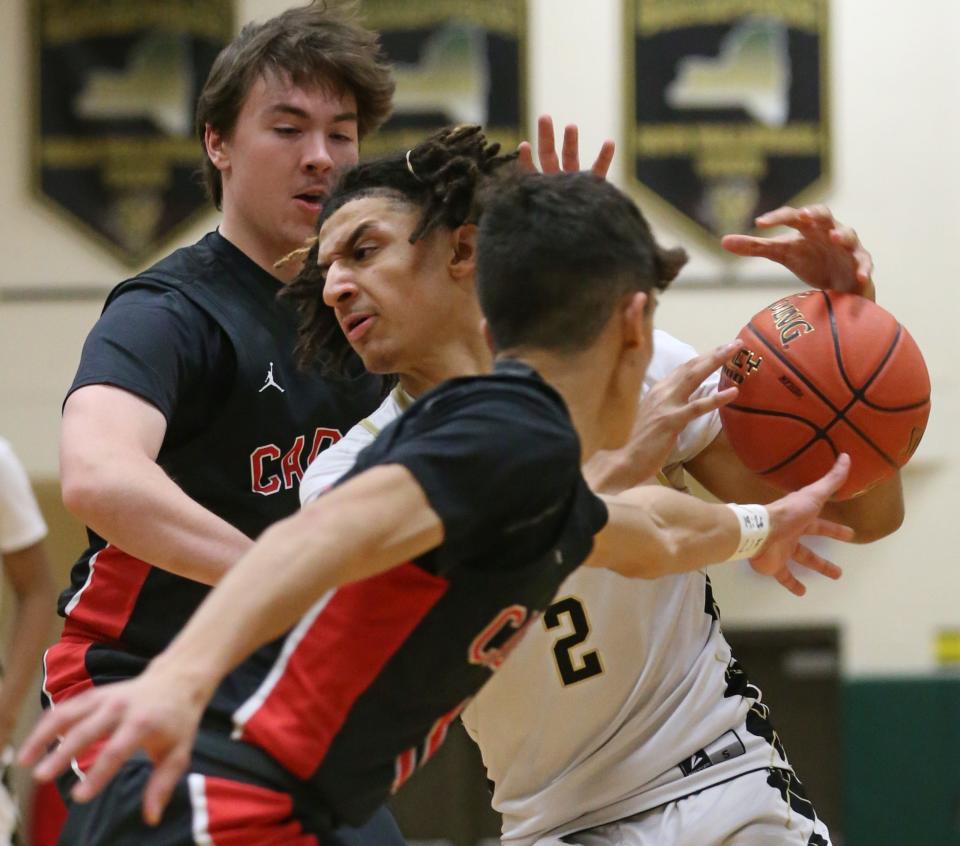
(365, 687)
(244, 465)
(625, 695)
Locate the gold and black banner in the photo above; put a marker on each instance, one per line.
(456, 61)
(116, 85)
(727, 105)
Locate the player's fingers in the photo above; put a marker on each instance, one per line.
(697, 369)
(751, 245)
(571, 148)
(791, 582)
(827, 485)
(704, 405)
(114, 754)
(163, 780)
(783, 216)
(845, 236)
(604, 159)
(806, 557)
(546, 149)
(830, 529)
(525, 157)
(48, 728)
(77, 736)
(818, 215)
(864, 265)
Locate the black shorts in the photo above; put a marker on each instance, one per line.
(211, 811)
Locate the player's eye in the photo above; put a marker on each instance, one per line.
(286, 130)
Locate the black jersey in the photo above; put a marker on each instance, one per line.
(202, 336)
(367, 684)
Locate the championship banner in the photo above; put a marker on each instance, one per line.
(115, 86)
(455, 61)
(727, 100)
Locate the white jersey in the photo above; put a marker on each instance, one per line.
(615, 702)
(21, 524)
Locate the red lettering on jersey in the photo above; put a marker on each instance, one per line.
(492, 646)
(291, 465)
(322, 439)
(261, 485)
(292, 469)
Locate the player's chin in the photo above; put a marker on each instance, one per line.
(377, 360)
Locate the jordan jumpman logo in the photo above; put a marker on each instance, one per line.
(270, 382)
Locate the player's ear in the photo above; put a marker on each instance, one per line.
(487, 335)
(215, 144)
(463, 259)
(635, 314)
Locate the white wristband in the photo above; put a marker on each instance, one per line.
(754, 528)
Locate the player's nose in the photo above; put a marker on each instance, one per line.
(340, 285)
(317, 157)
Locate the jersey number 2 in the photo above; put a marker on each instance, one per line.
(589, 663)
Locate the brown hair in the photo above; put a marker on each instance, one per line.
(322, 44)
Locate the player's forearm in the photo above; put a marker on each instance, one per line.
(129, 501)
(655, 531)
(873, 515)
(295, 562)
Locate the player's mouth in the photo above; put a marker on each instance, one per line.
(355, 326)
(311, 201)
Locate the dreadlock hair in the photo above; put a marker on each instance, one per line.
(442, 176)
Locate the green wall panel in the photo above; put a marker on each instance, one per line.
(902, 761)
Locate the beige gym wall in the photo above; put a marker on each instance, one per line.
(896, 178)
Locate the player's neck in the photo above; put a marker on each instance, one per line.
(449, 361)
(260, 253)
(583, 388)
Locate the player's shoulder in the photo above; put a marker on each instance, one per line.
(172, 280)
(668, 354)
(339, 458)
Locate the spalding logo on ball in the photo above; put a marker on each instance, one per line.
(822, 373)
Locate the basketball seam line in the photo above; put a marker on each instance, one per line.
(860, 393)
(786, 363)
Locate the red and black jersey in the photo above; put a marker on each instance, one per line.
(363, 690)
(201, 336)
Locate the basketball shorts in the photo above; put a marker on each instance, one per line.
(763, 808)
(207, 810)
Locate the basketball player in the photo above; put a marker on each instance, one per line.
(188, 425)
(452, 529)
(27, 570)
(560, 732)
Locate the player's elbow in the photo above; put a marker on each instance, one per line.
(88, 487)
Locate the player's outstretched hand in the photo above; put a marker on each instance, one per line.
(822, 251)
(148, 713)
(795, 515)
(665, 411)
(569, 160)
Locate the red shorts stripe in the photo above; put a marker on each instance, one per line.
(104, 605)
(65, 669)
(230, 813)
(337, 660)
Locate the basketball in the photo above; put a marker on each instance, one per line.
(822, 373)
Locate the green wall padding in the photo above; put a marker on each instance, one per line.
(902, 761)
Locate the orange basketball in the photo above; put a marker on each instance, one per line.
(823, 373)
